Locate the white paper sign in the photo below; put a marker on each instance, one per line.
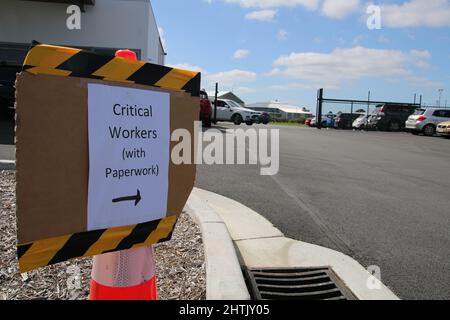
(129, 141)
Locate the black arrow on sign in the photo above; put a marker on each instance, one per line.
(137, 198)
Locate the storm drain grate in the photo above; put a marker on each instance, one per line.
(296, 284)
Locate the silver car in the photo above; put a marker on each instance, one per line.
(426, 120)
(361, 122)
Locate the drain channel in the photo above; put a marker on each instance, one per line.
(296, 284)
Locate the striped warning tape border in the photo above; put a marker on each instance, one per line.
(71, 62)
(85, 244)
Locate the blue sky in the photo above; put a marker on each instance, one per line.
(286, 49)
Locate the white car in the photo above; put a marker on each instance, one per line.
(231, 111)
(361, 122)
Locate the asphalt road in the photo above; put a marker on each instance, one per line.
(382, 198)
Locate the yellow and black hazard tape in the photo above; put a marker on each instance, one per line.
(71, 62)
(85, 244)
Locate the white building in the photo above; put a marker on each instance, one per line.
(281, 110)
(106, 25)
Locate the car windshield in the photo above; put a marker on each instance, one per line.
(419, 112)
(233, 104)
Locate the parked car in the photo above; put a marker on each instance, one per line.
(345, 120)
(443, 129)
(361, 122)
(7, 81)
(264, 118)
(426, 120)
(327, 121)
(313, 122)
(205, 109)
(391, 116)
(308, 122)
(231, 111)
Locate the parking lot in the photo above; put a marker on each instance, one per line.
(381, 197)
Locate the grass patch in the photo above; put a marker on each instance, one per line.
(285, 123)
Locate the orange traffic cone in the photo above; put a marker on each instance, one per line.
(124, 275)
(127, 274)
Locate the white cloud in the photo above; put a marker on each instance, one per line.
(163, 38)
(282, 35)
(340, 9)
(241, 54)
(420, 54)
(232, 77)
(186, 66)
(309, 4)
(331, 69)
(416, 13)
(261, 15)
(420, 58)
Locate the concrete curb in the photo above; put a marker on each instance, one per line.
(261, 245)
(224, 278)
(7, 165)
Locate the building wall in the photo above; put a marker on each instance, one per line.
(109, 24)
(155, 48)
(161, 54)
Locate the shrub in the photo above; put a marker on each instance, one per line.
(298, 120)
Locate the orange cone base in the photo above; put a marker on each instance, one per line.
(145, 291)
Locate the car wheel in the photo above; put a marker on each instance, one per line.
(249, 123)
(394, 126)
(429, 130)
(237, 119)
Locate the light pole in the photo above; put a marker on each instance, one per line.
(440, 96)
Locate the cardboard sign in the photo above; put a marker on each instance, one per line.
(70, 199)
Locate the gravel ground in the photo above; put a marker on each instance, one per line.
(180, 266)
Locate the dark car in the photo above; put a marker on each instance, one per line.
(7, 81)
(345, 120)
(264, 118)
(205, 109)
(391, 117)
